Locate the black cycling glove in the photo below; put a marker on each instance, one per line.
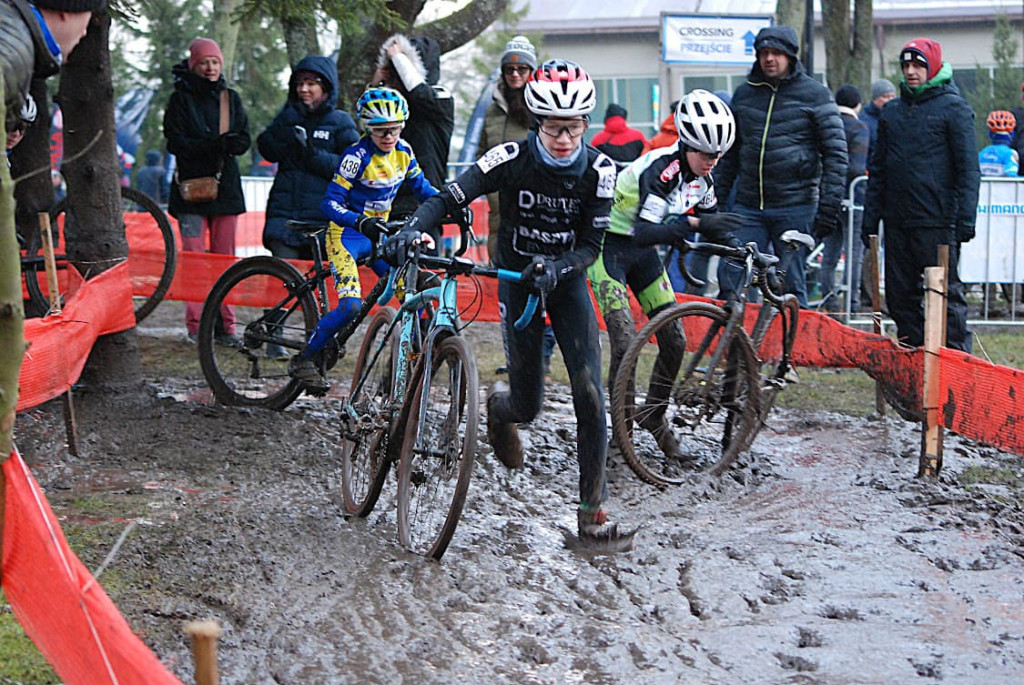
(541, 275)
(371, 227)
(396, 249)
(719, 227)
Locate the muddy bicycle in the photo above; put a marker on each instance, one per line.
(695, 370)
(275, 308)
(415, 402)
(152, 254)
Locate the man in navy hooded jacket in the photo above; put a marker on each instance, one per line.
(306, 139)
(923, 181)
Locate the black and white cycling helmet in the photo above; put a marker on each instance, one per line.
(705, 123)
(560, 88)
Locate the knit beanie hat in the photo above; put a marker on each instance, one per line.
(71, 5)
(848, 96)
(202, 48)
(519, 50)
(615, 110)
(882, 86)
(923, 51)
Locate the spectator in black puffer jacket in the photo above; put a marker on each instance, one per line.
(923, 181)
(306, 139)
(792, 166)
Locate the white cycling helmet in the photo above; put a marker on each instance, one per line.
(560, 88)
(705, 123)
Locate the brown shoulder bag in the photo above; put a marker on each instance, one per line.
(205, 188)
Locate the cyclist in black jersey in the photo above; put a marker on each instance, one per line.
(555, 193)
(663, 197)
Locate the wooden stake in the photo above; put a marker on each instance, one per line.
(204, 649)
(71, 423)
(876, 314)
(930, 462)
(50, 262)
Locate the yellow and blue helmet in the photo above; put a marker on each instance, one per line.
(379, 106)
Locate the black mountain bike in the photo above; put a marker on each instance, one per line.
(710, 389)
(150, 238)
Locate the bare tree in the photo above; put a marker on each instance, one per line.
(12, 319)
(848, 42)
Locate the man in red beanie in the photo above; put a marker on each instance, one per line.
(35, 39)
(923, 181)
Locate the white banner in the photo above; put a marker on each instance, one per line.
(701, 39)
(996, 255)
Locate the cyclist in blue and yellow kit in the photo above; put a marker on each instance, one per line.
(358, 202)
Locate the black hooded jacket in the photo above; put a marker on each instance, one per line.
(192, 129)
(790, 144)
(304, 169)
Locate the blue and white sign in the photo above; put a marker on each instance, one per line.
(702, 39)
(996, 255)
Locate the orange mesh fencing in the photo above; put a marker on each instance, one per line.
(62, 608)
(60, 344)
(982, 400)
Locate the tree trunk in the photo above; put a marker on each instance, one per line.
(299, 34)
(12, 318)
(791, 13)
(30, 162)
(848, 51)
(94, 230)
(226, 33)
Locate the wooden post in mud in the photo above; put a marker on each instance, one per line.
(930, 462)
(876, 313)
(204, 636)
(50, 262)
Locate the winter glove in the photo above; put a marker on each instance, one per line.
(719, 227)
(965, 234)
(371, 227)
(541, 275)
(233, 143)
(396, 248)
(824, 227)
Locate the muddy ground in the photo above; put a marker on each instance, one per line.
(819, 558)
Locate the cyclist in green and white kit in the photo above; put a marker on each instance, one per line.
(664, 197)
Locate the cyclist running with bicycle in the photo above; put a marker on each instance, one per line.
(664, 197)
(555, 193)
(358, 202)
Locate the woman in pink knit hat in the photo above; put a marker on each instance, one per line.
(192, 126)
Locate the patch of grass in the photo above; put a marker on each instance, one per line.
(991, 475)
(20, 661)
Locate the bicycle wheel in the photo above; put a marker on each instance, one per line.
(366, 421)
(152, 251)
(258, 293)
(707, 412)
(438, 449)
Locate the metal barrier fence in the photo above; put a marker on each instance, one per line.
(991, 266)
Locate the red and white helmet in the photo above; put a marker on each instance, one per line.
(560, 88)
(705, 123)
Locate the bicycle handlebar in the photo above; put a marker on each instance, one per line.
(766, 264)
(460, 266)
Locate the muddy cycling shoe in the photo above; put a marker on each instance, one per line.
(597, 534)
(504, 437)
(228, 340)
(304, 369)
(662, 434)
